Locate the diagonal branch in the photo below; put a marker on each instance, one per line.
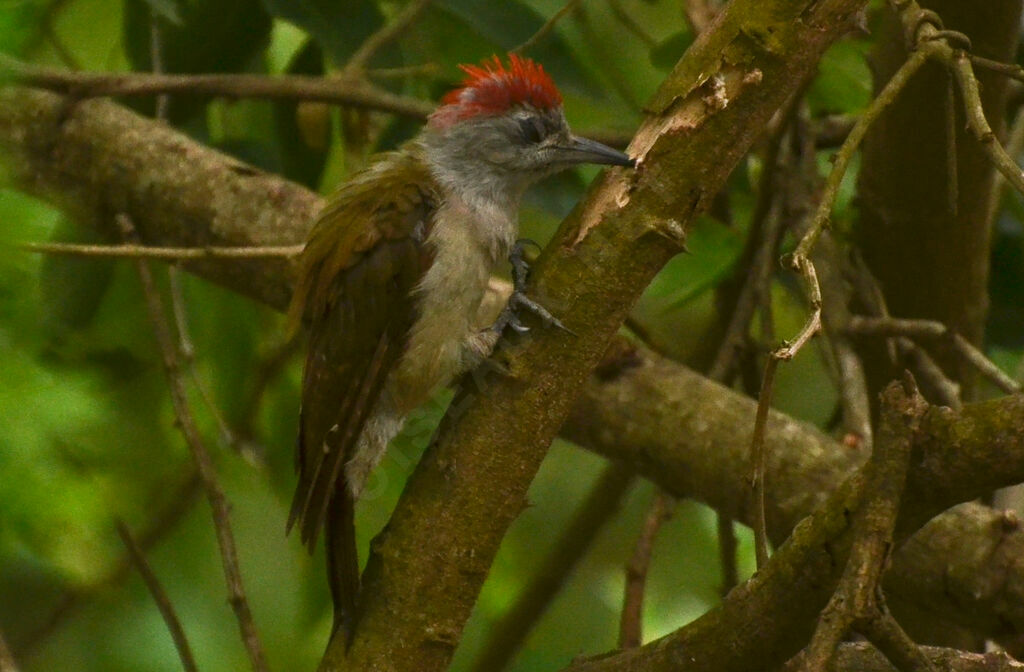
(163, 602)
(219, 507)
(244, 207)
(497, 430)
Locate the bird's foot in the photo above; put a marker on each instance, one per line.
(509, 316)
(520, 266)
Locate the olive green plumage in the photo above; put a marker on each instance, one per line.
(356, 289)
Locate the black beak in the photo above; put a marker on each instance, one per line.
(581, 150)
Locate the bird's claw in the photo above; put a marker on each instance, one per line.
(520, 266)
(509, 316)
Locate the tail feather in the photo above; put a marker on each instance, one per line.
(342, 559)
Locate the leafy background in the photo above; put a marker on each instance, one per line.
(87, 433)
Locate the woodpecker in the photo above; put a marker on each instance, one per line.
(393, 274)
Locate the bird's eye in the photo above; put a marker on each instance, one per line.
(532, 130)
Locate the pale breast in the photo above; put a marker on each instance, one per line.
(467, 247)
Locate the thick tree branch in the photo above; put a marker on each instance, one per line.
(471, 483)
(641, 399)
(98, 159)
(66, 159)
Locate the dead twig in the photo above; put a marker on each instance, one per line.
(800, 262)
(165, 253)
(187, 350)
(390, 32)
(163, 602)
(930, 330)
(200, 455)
(548, 26)
(758, 461)
(156, 529)
(345, 92)
(631, 623)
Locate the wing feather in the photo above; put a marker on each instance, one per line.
(356, 291)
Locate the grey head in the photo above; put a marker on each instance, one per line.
(504, 129)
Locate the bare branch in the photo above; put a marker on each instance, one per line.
(204, 463)
(932, 330)
(758, 460)
(163, 602)
(857, 601)
(978, 124)
(162, 523)
(631, 622)
(165, 253)
(386, 35)
(346, 92)
(548, 26)
(864, 658)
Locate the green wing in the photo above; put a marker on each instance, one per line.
(364, 258)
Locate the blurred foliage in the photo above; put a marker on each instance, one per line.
(88, 433)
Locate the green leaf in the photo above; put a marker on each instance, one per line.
(467, 31)
(303, 138)
(20, 24)
(843, 84)
(714, 249)
(338, 27)
(212, 36)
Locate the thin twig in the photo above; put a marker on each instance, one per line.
(163, 602)
(952, 164)
(1014, 147)
(800, 261)
(728, 546)
(204, 462)
(405, 71)
(156, 57)
(269, 366)
(1011, 70)
(631, 624)
(156, 529)
(548, 26)
(758, 459)
(978, 124)
(932, 377)
(185, 345)
(508, 634)
(346, 92)
(187, 350)
(933, 330)
(167, 253)
(756, 290)
(387, 34)
(846, 152)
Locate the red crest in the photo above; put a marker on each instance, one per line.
(491, 89)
